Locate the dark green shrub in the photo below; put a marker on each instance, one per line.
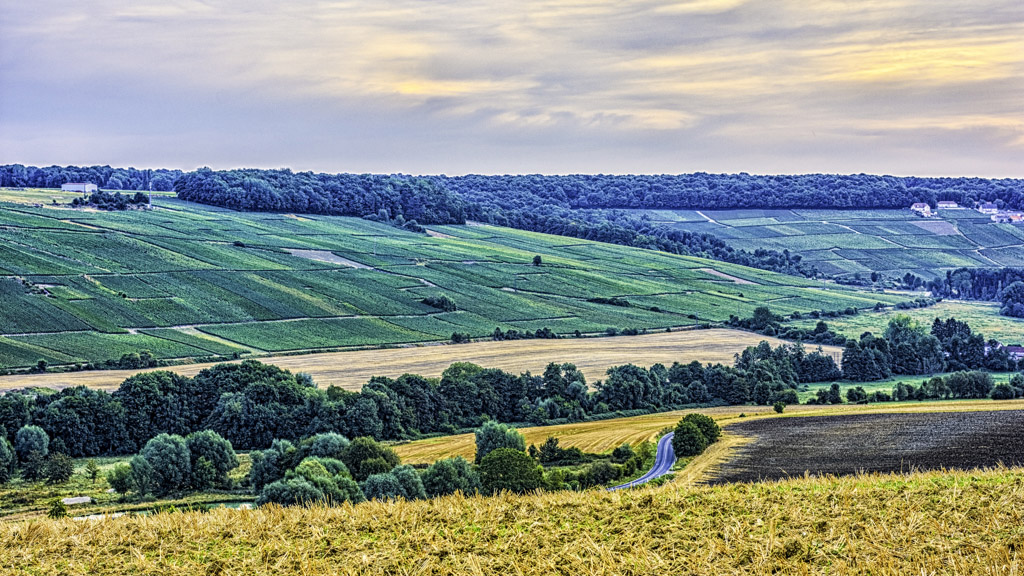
(688, 440)
(506, 469)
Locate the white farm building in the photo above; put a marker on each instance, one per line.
(83, 187)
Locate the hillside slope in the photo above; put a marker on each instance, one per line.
(949, 522)
(191, 281)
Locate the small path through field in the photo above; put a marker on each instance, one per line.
(664, 458)
(706, 217)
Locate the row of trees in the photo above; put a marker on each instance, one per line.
(1003, 285)
(962, 384)
(386, 198)
(250, 403)
(909, 347)
(20, 176)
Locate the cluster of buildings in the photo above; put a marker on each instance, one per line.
(987, 208)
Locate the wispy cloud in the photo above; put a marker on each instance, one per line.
(895, 86)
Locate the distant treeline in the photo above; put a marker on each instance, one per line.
(591, 207)
(366, 195)
(702, 191)
(251, 403)
(18, 176)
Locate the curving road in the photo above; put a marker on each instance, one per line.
(663, 461)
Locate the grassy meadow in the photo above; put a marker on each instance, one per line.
(188, 281)
(922, 523)
(847, 242)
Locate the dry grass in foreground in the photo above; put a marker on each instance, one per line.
(351, 370)
(926, 523)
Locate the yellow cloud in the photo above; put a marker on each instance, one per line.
(958, 60)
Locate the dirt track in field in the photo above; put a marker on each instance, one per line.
(841, 445)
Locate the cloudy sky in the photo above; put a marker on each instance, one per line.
(908, 87)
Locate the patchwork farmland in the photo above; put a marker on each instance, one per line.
(186, 281)
(848, 242)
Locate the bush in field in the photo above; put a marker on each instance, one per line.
(365, 456)
(31, 439)
(1003, 392)
(622, 453)
(856, 395)
(171, 462)
(688, 440)
(120, 479)
(7, 460)
(297, 491)
(779, 407)
(328, 445)
(449, 476)
(507, 469)
(493, 435)
(600, 472)
(382, 487)
(219, 456)
(706, 425)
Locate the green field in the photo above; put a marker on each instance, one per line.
(192, 281)
(848, 242)
(983, 318)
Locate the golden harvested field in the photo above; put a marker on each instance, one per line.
(353, 369)
(924, 523)
(604, 435)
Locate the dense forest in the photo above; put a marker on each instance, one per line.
(18, 176)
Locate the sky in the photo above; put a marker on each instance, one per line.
(903, 87)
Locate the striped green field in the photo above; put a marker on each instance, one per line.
(187, 281)
(850, 242)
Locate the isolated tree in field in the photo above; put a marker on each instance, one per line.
(708, 427)
(120, 479)
(8, 460)
(493, 435)
(219, 456)
(688, 440)
(59, 468)
(92, 470)
(779, 407)
(31, 439)
(169, 457)
(537, 260)
(507, 469)
(449, 476)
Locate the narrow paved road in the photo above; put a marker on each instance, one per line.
(663, 461)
